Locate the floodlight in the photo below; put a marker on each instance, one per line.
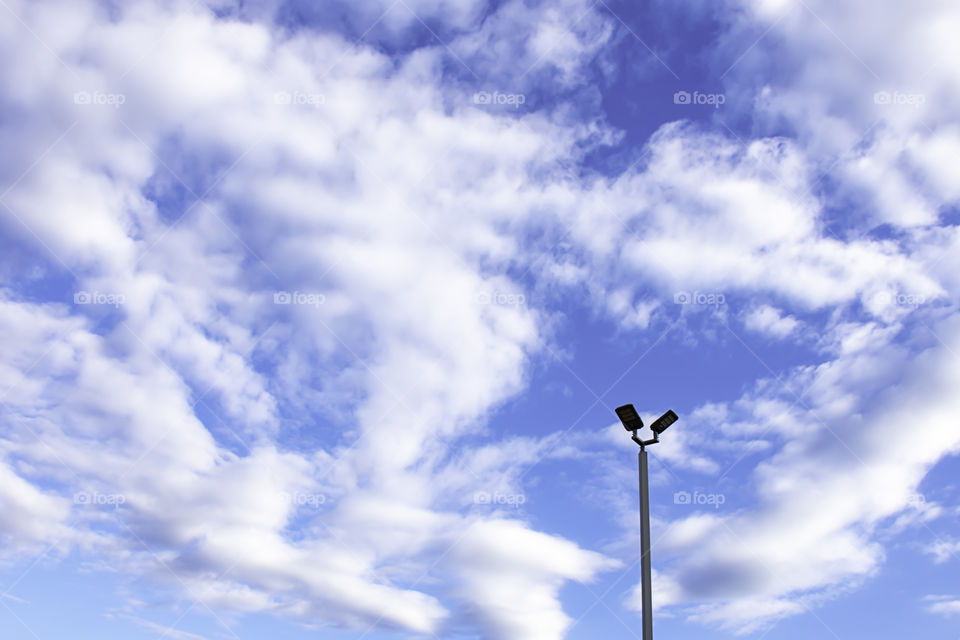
(629, 417)
(660, 424)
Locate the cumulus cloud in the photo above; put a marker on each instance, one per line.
(826, 492)
(881, 100)
(511, 577)
(944, 550)
(942, 605)
(245, 214)
(769, 320)
(30, 517)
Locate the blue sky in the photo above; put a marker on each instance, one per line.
(315, 316)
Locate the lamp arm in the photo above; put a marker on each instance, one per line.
(644, 443)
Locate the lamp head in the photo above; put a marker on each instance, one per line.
(629, 417)
(660, 424)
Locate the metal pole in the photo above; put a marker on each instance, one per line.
(645, 548)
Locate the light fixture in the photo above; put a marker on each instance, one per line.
(629, 417)
(660, 424)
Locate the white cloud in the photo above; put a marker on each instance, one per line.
(771, 321)
(944, 550)
(167, 408)
(722, 219)
(633, 316)
(824, 494)
(943, 605)
(511, 576)
(30, 517)
(877, 113)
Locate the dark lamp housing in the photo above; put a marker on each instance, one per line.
(629, 417)
(660, 424)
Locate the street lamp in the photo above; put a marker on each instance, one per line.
(632, 422)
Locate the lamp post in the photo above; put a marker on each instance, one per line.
(632, 422)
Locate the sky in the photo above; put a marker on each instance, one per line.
(315, 315)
